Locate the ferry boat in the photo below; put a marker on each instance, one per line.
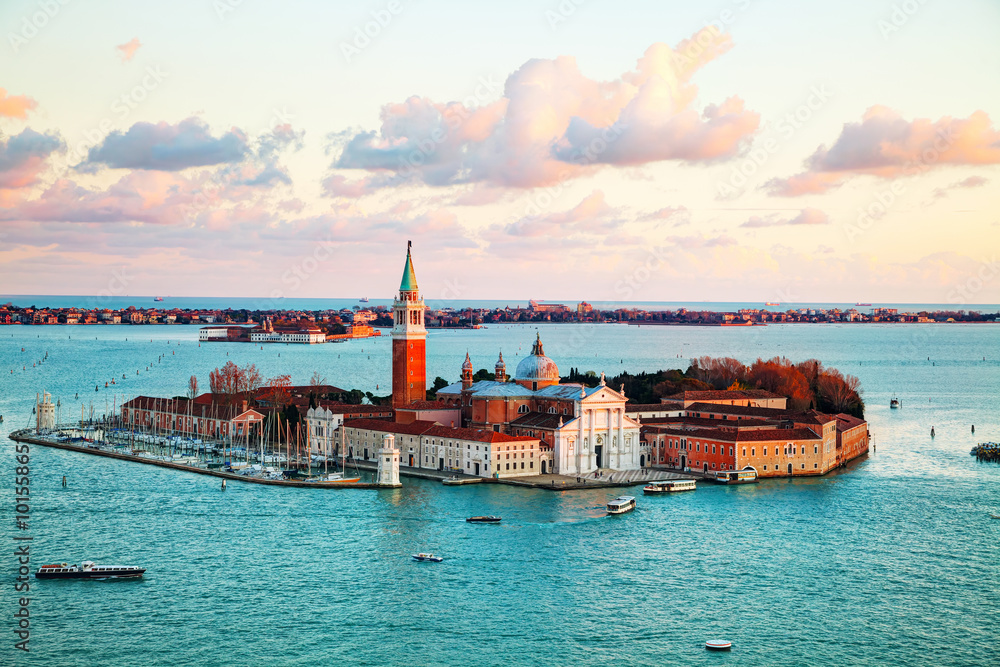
(159, 298)
(745, 476)
(670, 486)
(621, 504)
(861, 304)
(427, 558)
(484, 519)
(88, 570)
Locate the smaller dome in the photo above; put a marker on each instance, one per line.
(467, 364)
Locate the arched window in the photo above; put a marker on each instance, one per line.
(552, 410)
(522, 409)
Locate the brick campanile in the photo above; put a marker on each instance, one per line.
(409, 337)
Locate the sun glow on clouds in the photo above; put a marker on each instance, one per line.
(885, 145)
(533, 180)
(553, 124)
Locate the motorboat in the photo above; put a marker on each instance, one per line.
(669, 486)
(427, 558)
(894, 403)
(718, 645)
(484, 519)
(88, 570)
(621, 505)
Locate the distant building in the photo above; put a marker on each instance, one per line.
(757, 398)
(539, 307)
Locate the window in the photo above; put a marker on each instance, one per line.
(815, 449)
(765, 467)
(532, 464)
(508, 466)
(765, 451)
(753, 451)
(815, 465)
(522, 409)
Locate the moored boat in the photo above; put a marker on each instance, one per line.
(88, 570)
(669, 486)
(745, 476)
(331, 478)
(484, 519)
(621, 504)
(427, 558)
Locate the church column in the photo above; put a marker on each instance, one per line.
(593, 441)
(579, 444)
(621, 430)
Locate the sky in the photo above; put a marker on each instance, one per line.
(733, 150)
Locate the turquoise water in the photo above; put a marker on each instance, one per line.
(894, 561)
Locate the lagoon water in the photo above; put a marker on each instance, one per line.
(893, 561)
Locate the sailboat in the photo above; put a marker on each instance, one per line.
(331, 477)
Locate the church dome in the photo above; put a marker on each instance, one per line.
(537, 367)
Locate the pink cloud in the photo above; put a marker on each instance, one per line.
(128, 49)
(807, 216)
(553, 123)
(970, 182)
(15, 106)
(24, 156)
(885, 145)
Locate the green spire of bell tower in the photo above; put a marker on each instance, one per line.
(409, 281)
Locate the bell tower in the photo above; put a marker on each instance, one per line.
(409, 337)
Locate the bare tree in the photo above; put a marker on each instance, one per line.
(193, 387)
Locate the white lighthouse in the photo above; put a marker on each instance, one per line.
(388, 463)
(45, 412)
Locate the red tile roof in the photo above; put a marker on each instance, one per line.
(721, 394)
(418, 427)
(428, 405)
(734, 436)
(846, 422)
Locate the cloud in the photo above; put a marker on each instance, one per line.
(128, 49)
(166, 147)
(23, 156)
(807, 216)
(552, 124)
(970, 182)
(885, 145)
(15, 106)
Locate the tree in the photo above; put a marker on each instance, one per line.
(193, 387)
(277, 391)
(317, 380)
(235, 383)
(836, 392)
